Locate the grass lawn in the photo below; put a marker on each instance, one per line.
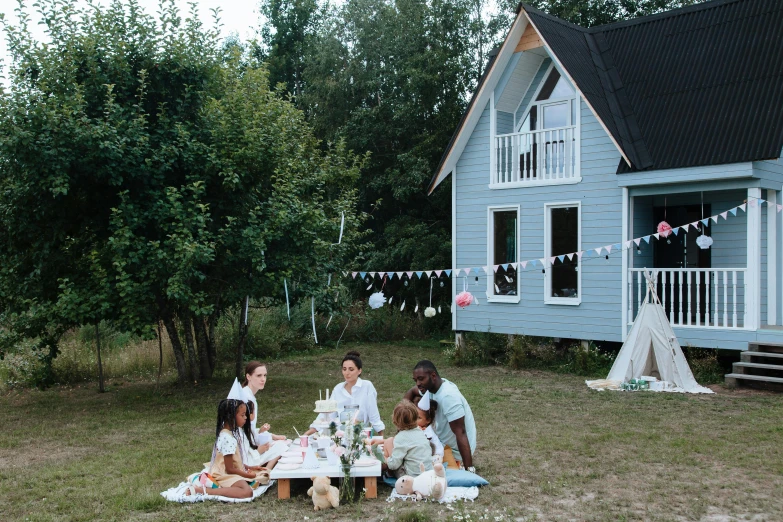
(551, 448)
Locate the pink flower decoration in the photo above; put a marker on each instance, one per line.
(339, 451)
(340, 433)
(664, 229)
(464, 299)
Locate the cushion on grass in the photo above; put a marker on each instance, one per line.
(463, 478)
(391, 481)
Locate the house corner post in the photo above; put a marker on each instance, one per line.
(624, 265)
(753, 273)
(772, 257)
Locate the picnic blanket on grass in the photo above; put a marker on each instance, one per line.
(453, 493)
(177, 494)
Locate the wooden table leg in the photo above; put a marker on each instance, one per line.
(371, 487)
(283, 489)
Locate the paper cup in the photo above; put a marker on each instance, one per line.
(303, 441)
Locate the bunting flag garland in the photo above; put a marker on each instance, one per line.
(551, 261)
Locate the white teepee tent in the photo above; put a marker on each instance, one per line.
(651, 348)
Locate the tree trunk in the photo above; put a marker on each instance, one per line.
(202, 343)
(176, 345)
(240, 355)
(101, 387)
(193, 360)
(160, 356)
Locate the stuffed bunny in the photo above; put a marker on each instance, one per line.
(323, 493)
(430, 484)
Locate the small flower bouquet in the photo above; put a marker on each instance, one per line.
(349, 445)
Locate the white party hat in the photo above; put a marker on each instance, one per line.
(310, 460)
(424, 402)
(236, 392)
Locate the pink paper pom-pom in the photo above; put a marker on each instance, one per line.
(664, 229)
(464, 299)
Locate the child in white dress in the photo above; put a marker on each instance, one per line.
(425, 422)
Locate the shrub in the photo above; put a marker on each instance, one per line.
(704, 364)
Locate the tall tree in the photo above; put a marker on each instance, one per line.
(146, 175)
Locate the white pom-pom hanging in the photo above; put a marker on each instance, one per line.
(704, 242)
(377, 300)
(429, 312)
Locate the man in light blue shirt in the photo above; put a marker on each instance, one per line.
(454, 424)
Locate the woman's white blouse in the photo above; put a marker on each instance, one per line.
(362, 394)
(261, 438)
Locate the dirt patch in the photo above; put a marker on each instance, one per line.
(34, 455)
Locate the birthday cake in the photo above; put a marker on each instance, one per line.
(325, 405)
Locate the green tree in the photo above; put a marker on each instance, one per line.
(149, 174)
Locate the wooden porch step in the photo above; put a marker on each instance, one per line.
(749, 354)
(744, 377)
(757, 365)
(766, 347)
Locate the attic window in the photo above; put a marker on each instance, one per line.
(555, 86)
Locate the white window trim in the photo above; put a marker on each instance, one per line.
(491, 297)
(548, 299)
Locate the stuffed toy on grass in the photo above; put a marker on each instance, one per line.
(324, 494)
(430, 484)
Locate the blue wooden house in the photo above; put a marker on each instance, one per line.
(579, 138)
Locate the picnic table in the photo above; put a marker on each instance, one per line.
(285, 476)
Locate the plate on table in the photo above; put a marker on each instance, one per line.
(291, 460)
(290, 453)
(364, 461)
(284, 467)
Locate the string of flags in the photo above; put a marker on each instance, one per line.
(663, 231)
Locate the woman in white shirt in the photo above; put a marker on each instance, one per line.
(255, 380)
(354, 391)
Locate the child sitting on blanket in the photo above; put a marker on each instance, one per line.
(410, 447)
(252, 452)
(426, 418)
(227, 468)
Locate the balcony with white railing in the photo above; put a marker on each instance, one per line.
(541, 157)
(694, 297)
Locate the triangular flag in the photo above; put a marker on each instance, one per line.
(780, 207)
(646, 239)
(762, 201)
(616, 246)
(656, 236)
(372, 274)
(705, 222)
(381, 274)
(598, 250)
(428, 272)
(637, 240)
(742, 207)
(448, 273)
(725, 215)
(570, 256)
(676, 230)
(608, 249)
(495, 268)
(552, 260)
(523, 264)
(561, 258)
(534, 261)
(457, 272)
(580, 254)
(753, 203)
(399, 274)
(714, 218)
(418, 274)
(362, 274)
(628, 244)
(354, 274)
(409, 274)
(485, 269)
(733, 211)
(543, 262)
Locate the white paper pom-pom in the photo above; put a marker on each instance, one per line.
(429, 312)
(377, 300)
(704, 242)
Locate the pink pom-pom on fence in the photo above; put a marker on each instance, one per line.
(664, 229)
(464, 299)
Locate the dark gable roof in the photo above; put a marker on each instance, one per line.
(701, 85)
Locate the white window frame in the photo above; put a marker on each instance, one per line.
(491, 297)
(548, 299)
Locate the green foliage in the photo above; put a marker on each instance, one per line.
(525, 352)
(705, 365)
(149, 173)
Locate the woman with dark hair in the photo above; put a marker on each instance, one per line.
(354, 391)
(255, 380)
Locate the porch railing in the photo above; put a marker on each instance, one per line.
(700, 297)
(540, 156)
